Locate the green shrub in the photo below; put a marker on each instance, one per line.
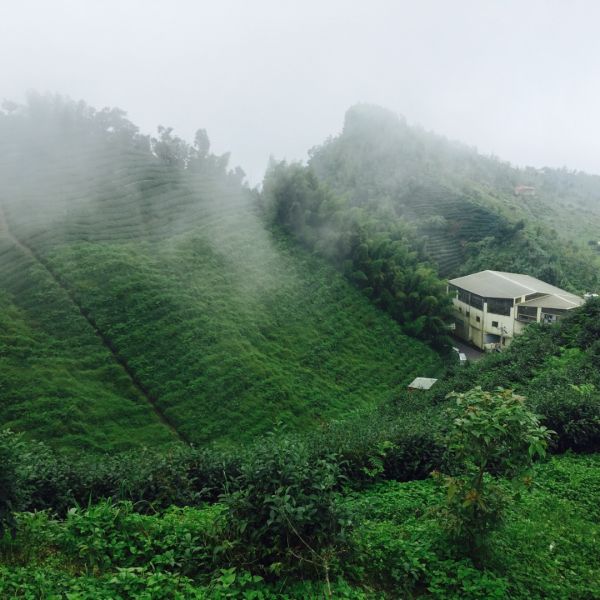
(573, 412)
(452, 580)
(281, 506)
(491, 433)
(136, 583)
(391, 556)
(11, 492)
(106, 536)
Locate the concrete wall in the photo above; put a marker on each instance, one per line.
(474, 330)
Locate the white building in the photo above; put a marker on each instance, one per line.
(491, 307)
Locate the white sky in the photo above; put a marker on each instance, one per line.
(517, 78)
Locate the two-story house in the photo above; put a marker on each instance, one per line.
(491, 307)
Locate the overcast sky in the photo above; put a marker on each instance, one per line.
(520, 79)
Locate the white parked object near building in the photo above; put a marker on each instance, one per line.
(422, 383)
(462, 357)
(491, 307)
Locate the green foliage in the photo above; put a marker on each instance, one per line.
(402, 561)
(458, 207)
(139, 290)
(537, 252)
(546, 546)
(281, 507)
(302, 340)
(10, 485)
(398, 546)
(459, 581)
(104, 536)
(556, 368)
(491, 434)
(401, 442)
(372, 251)
(125, 583)
(142, 298)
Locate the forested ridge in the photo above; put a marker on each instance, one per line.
(397, 210)
(465, 210)
(203, 387)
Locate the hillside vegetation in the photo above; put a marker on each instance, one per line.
(545, 549)
(461, 208)
(208, 384)
(368, 247)
(340, 489)
(145, 302)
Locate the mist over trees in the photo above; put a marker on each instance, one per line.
(461, 209)
(370, 249)
(158, 301)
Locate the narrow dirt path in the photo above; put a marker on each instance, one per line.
(106, 341)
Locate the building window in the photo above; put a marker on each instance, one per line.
(478, 319)
(527, 314)
(499, 306)
(468, 313)
(494, 323)
(459, 309)
(476, 301)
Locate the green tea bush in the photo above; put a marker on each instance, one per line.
(398, 546)
(460, 580)
(399, 442)
(11, 492)
(106, 536)
(136, 583)
(50, 481)
(281, 506)
(573, 412)
(391, 556)
(390, 443)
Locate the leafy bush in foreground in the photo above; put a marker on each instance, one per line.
(546, 546)
(282, 508)
(491, 434)
(10, 491)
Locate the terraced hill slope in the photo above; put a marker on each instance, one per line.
(461, 204)
(142, 301)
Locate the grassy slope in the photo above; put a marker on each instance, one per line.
(227, 329)
(58, 381)
(232, 333)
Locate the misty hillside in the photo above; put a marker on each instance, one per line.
(143, 301)
(465, 211)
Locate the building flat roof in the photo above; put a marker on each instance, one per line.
(500, 284)
(552, 301)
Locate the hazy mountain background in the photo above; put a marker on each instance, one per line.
(513, 79)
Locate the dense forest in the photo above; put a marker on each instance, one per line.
(369, 247)
(203, 387)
